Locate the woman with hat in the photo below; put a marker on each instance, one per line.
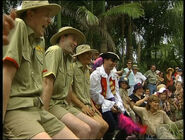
(123, 86)
(58, 79)
(22, 76)
(137, 97)
(81, 84)
(168, 78)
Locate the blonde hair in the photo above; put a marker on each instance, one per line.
(151, 99)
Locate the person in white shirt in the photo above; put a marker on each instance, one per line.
(104, 90)
(139, 77)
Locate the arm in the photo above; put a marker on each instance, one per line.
(48, 84)
(138, 103)
(8, 24)
(9, 71)
(95, 92)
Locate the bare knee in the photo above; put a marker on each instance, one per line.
(105, 126)
(85, 131)
(42, 135)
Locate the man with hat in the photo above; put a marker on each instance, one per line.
(22, 75)
(58, 78)
(104, 90)
(139, 77)
(81, 84)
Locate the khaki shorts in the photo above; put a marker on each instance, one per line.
(28, 122)
(59, 110)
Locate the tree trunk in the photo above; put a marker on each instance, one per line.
(139, 52)
(129, 54)
(123, 36)
(59, 18)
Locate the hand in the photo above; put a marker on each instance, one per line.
(95, 110)
(86, 110)
(8, 24)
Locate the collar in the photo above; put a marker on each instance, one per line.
(32, 37)
(104, 74)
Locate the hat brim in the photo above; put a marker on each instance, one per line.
(109, 55)
(170, 69)
(80, 37)
(54, 9)
(90, 50)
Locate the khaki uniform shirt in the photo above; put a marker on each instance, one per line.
(152, 120)
(151, 77)
(27, 53)
(81, 82)
(61, 66)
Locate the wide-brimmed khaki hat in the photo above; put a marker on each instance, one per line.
(26, 5)
(170, 69)
(84, 48)
(68, 30)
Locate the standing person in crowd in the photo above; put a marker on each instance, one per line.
(137, 97)
(23, 116)
(168, 77)
(178, 76)
(128, 73)
(104, 90)
(8, 25)
(58, 78)
(151, 79)
(81, 84)
(139, 77)
(123, 86)
(160, 77)
(156, 119)
(176, 69)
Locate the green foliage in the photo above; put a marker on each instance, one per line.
(133, 10)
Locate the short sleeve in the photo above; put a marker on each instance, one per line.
(13, 51)
(52, 60)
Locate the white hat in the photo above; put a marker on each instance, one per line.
(161, 90)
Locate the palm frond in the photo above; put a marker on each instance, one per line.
(133, 10)
(84, 13)
(104, 34)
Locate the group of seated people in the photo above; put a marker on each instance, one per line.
(53, 94)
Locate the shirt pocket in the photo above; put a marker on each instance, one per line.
(61, 78)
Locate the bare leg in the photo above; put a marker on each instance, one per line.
(78, 127)
(42, 135)
(65, 133)
(95, 126)
(104, 126)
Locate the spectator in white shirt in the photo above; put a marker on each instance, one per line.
(139, 77)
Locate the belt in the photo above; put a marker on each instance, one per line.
(152, 84)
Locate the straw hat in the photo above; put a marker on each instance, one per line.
(110, 55)
(26, 5)
(170, 69)
(84, 48)
(68, 30)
